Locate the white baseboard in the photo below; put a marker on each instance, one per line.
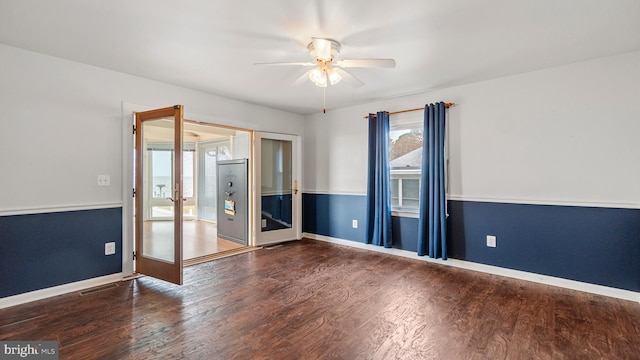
(495, 270)
(58, 290)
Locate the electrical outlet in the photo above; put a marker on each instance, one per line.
(491, 241)
(354, 224)
(104, 180)
(109, 248)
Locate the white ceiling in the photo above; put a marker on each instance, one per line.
(211, 45)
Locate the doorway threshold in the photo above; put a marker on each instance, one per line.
(201, 259)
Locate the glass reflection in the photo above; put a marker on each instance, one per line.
(276, 180)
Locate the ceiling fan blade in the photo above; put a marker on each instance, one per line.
(382, 63)
(322, 47)
(348, 78)
(303, 78)
(287, 64)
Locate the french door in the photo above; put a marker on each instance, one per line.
(159, 190)
(277, 200)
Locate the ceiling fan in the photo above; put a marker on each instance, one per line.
(327, 68)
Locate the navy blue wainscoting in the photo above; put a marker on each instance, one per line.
(589, 244)
(404, 232)
(38, 251)
(332, 215)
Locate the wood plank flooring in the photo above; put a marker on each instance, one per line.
(315, 300)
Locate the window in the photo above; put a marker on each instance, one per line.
(209, 153)
(405, 162)
(188, 173)
(161, 171)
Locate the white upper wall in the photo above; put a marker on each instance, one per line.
(61, 126)
(566, 135)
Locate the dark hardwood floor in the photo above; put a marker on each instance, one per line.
(315, 300)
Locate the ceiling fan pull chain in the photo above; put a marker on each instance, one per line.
(324, 100)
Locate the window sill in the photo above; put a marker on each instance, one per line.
(406, 213)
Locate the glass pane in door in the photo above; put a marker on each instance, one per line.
(276, 184)
(160, 160)
(158, 197)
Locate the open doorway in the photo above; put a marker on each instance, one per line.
(163, 205)
(203, 146)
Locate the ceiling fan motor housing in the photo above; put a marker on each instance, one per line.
(323, 54)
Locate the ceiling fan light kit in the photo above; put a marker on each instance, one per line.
(324, 51)
(333, 76)
(324, 74)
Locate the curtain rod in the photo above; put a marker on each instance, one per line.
(446, 105)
